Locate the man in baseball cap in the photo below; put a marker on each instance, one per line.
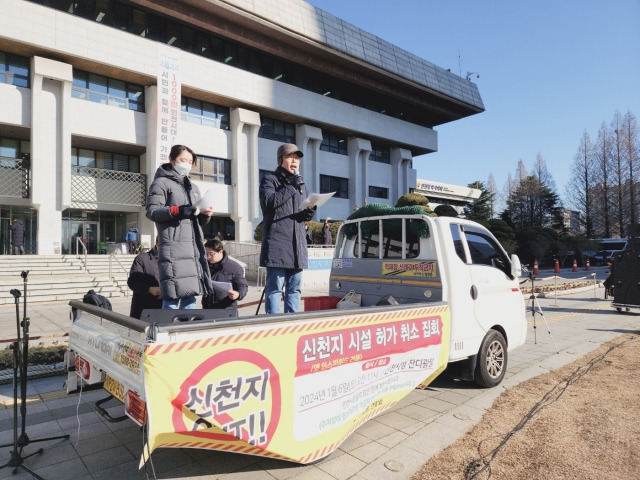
(284, 245)
(288, 149)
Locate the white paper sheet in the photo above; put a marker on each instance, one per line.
(207, 200)
(316, 199)
(223, 287)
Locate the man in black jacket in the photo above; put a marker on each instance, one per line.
(224, 269)
(144, 281)
(17, 236)
(284, 243)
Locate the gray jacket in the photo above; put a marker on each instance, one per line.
(182, 261)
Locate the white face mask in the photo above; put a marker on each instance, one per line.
(182, 168)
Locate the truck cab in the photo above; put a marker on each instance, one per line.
(407, 258)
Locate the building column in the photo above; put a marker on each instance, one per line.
(51, 83)
(403, 176)
(358, 150)
(309, 139)
(245, 125)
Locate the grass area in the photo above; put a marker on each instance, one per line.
(36, 356)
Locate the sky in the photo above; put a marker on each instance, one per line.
(549, 70)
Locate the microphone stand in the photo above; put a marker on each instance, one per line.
(17, 459)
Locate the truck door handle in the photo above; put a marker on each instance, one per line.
(474, 292)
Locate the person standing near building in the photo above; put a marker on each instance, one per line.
(132, 239)
(17, 236)
(144, 281)
(182, 262)
(224, 269)
(284, 243)
(326, 232)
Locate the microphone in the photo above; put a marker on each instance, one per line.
(297, 174)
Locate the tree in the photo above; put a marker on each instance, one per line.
(602, 155)
(492, 188)
(580, 188)
(445, 211)
(504, 234)
(619, 174)
(480, 209)
(533, 204)
(630, 139)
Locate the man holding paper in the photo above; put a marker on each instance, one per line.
(227, 278)
(284, 244)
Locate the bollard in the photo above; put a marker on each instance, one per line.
(575, 265)
(556, 269)
(535, 267)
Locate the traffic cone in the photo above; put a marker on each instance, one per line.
(556, 269)
(535, 267)
(575, 265)
(588, 266)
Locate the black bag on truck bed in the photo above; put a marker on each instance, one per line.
(93, 298)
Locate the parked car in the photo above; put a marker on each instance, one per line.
(601, 257)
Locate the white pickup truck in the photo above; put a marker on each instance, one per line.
(433, 293)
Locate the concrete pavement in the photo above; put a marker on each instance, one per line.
(393, 445)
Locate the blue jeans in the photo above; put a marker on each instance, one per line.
(291, 279)
(185, 303)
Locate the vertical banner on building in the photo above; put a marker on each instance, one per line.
(169, 94)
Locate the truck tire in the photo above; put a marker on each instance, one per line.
(492, 360)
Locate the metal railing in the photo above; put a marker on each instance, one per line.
(122, 267)
(96, 185)
(80, 244)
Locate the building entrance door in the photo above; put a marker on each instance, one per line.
(5, 236)
(88, 234)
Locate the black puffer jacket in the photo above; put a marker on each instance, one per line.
(226, 270)
(144, 274)
(182, 260)
(17, 233)
(284, 240)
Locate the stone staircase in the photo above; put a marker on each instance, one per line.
(54, 278)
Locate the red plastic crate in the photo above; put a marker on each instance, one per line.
(320, 303)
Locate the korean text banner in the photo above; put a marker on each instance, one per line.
(291, 389)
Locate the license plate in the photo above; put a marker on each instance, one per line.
(114, 387)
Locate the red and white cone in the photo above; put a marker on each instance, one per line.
(575, 265)
(535, 267)
(588, 266)
(556, 268)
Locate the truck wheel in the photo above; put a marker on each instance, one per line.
(492, 360)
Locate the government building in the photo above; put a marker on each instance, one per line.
(94, 93)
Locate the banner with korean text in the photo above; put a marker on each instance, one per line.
(169, 102)
(291, 389)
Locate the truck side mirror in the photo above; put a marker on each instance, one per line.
(516, 266)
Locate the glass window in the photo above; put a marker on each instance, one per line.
(14, 69)
(108, 91)
(106, 160)
(485, 251)
(204, 113)
(278, 130)
(334, 184)
(457, 242)
(9, 147)
(334, 143)
(378, 192)
(390, 244)
(380, 154)
(210, 169)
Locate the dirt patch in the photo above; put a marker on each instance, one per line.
(578, 422)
